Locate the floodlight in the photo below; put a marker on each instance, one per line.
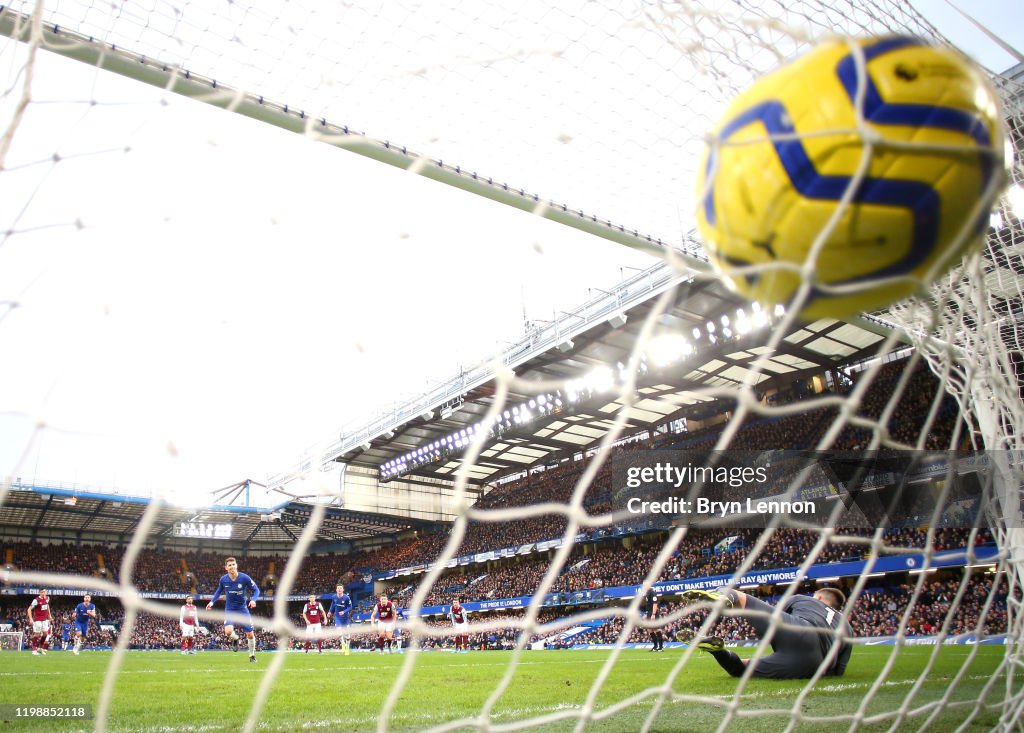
(1015, 197)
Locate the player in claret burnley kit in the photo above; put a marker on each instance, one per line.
(384, 613)
(808, 629)
(40, 617)
(341, 609)
(240, 594)
(84, 611)
(188, 622)
(313, 614)
(460, 620)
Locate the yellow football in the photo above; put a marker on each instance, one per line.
(864, 168)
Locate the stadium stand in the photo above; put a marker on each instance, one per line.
(607, 557)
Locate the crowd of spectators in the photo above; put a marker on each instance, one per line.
(880, 611)
(613, 559)
(929, 609)
(920, 390)
(69, 559)
(607, 564)
(801, 431)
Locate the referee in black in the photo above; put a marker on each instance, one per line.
(809, 627)
(650, 606)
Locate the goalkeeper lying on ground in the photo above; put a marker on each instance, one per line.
(808, 628)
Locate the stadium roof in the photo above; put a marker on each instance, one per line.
(86, 514)
(706, 313)
(596, 338)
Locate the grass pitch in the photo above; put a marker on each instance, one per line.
(213, 691)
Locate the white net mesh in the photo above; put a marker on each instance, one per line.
(592, 115)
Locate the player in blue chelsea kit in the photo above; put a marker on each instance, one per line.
(83, 612)
(240, 594)
(341, 609)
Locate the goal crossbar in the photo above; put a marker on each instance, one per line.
(153, 72)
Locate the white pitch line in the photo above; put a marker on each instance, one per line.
(516, 713)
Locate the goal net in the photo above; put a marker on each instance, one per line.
(591, 117)
(11, 641)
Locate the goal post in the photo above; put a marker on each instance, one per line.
(605, 106)
(11, 641)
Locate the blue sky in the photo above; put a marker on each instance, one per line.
(1005, 18)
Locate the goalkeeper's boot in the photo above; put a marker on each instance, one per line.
(711, 644)
(252, 658)
(708, 596)
(685, 635)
